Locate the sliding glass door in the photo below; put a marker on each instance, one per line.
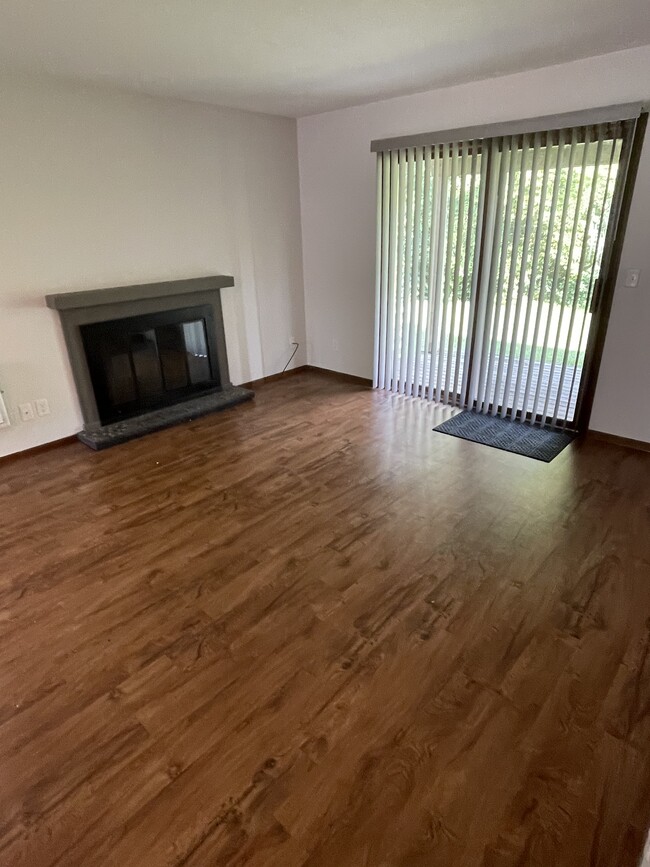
(489, 258)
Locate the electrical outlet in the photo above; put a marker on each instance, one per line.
(26, 411)
(632, 278)
(293, 341)
(42, 406)
(335, 345)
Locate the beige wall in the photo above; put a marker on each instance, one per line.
(100, 188)
(337, 188)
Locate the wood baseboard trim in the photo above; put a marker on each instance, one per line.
(35, 450)
(343, 377)
(255, 383)
(615, 440)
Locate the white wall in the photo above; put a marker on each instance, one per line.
(100, 188)
(337, 189)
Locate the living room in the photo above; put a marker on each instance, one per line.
(324, 433)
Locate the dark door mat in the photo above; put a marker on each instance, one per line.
(519, 437)
(131, 428)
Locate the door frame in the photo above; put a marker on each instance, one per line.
(604, 296)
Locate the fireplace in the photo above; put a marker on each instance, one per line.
(145, 357)
(140, 363)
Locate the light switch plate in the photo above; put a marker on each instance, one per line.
(5, 421)
(42, 406)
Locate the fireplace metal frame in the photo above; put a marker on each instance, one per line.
(101, 305)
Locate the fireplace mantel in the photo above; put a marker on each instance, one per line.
(138, 292)
(78, 309)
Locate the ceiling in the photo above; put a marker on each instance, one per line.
(297, 57)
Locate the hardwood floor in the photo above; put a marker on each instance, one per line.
(310, 631)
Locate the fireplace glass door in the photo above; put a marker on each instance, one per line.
(141, 363)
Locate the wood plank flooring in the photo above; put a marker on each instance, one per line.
(311, 631)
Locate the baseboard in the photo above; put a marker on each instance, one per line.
(343, 377)
(254, 383)
(309, 368)
(626, 442)
(35, 450)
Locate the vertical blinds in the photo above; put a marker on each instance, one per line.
(432, 200)
(488, 258)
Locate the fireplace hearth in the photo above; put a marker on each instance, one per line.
(148, 356)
